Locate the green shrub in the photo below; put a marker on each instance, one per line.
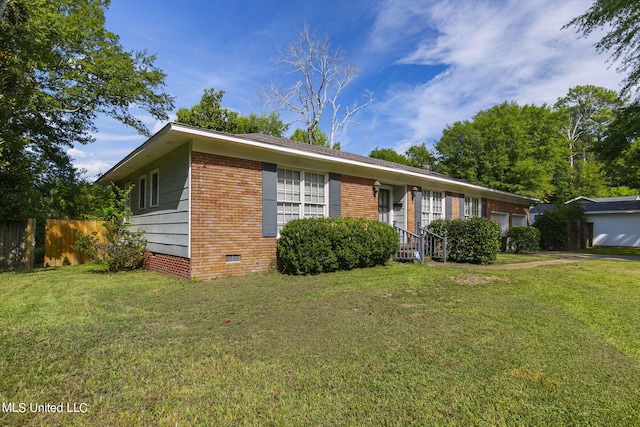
(554, 225)
(439, 227)
(311, 246)
(475, 241)
(120, 248)
(524, 239)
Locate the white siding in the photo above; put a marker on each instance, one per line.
(166, 225)
(619, 229)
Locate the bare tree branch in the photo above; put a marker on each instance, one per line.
(321, 76)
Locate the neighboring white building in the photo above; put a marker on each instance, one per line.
(616, 220)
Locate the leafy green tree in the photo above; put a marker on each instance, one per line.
(320, 137)
(421, 157)
(621, 21)
(590, 110)
(268, 125)
(60, 68)
(620, 152)
(390, 155)
(417, 156)
(210, 114)
(508, 147)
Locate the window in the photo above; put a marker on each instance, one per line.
(432, 207)
(471, 207)
(503, 220)
(155, 188)
(300, 195)
(518, 220)
(142, 192)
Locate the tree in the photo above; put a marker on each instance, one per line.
(620, 152)
(210, 114)
(622, 20)
(420, 156)
(507, 147)
(322, 75)
(60, 68)
(590, 110)
(390, 155)
(321, 139)
(417, 156)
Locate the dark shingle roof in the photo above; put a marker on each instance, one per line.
(282, 142)
(616, 206)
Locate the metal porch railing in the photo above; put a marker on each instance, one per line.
(435, 245)
(420, 247)
(411, 246)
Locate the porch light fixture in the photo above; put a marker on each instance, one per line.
(376, 188)
(414, 191)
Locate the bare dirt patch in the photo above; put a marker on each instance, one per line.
(475, 279)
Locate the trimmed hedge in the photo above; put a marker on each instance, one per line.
(312, 246)
(476, 240)
(524, 239)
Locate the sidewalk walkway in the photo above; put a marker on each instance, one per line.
(563, 258)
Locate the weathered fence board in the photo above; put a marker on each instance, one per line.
(60, 236)
(17, 244)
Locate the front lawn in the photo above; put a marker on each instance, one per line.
(398, 345)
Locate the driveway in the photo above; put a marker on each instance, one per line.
(563, 258)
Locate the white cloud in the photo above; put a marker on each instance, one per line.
(92, 170)
(75, 153)
(493, 52)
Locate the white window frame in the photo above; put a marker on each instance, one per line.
(472, 207)
(142, 192)
(157, 190)
(297, 208)
(428, 210)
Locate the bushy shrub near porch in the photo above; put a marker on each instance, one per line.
(524, 239)
(311, 246)
(476, 240)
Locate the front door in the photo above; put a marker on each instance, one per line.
(384, 201)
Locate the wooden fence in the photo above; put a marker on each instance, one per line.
(17, 244)
(60, 236)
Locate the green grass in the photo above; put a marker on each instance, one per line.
(504, 258)
(607, 250)
(396, 345)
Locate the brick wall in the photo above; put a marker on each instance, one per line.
(169, 264)
(506, 207)
(411, 209)
(226, 218)
(455, 206)
(357, 199)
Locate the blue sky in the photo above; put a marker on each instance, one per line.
(429, 63)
